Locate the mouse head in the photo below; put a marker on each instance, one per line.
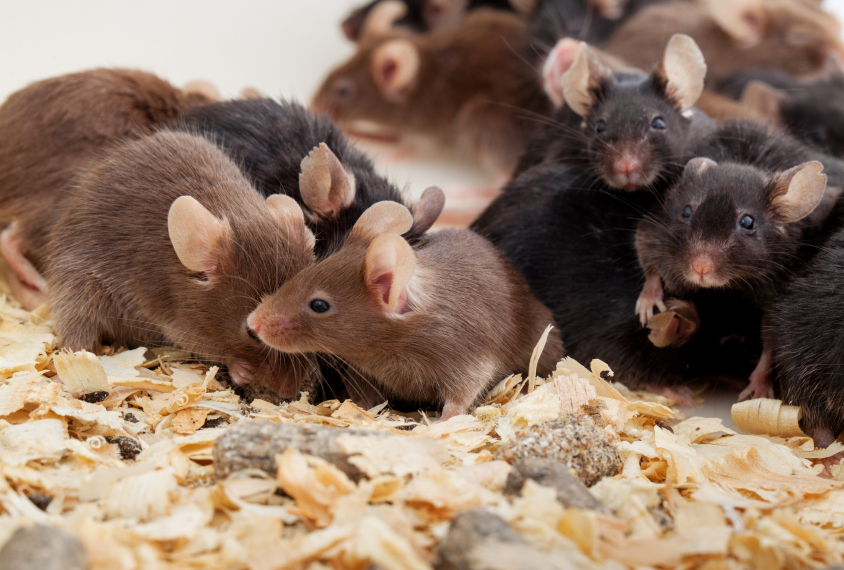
(344, 304)
(231, 264)
(793, 35)
(814, 113)
(416, 15)
(328, 190)
(636, 127)
(733, 225)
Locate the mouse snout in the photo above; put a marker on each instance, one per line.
(629, 166)
(705, 266)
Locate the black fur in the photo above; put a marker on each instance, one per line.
(574, 245)
(269, 139)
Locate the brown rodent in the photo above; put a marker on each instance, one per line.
(737, 223)
(437, 323)
(165, 241)
(469, 87)
(734, 35)
(50, 130)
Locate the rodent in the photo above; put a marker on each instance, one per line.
(49, 133)
(574, 246)
(811, 110)
(807, 346)
(469, 87)
(444, 320)
(795, 36)
(420, 15)
(270, 139)
(165, 241)
(631, 130)
(736, 220)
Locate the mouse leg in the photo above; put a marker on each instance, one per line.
(27, 283)
(651, 296)
(761, 383)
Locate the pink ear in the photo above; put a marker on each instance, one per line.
(395, 65)
(743, 20)
(195, 233)
(558, 62)
(390, 263)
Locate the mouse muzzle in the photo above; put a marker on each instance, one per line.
(628, 165)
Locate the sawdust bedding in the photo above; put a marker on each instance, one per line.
(128, 468)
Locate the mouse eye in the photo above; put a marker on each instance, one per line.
(658, 124)
(819, 138)
(319, 306)
(746, 222)
(687, 212)
(601, 126)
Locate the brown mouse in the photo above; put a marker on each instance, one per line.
(164, 241)
(470, 87)
(50, 130)
(734, 35)
(438, 323)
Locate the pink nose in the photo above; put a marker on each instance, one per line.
(703, 265)
(626, 166)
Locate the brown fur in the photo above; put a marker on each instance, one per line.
(641, 39)
(470, 320)
(114, 275)
(51, 129)
(475, 89)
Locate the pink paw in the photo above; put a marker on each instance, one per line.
(761, 383)
(651, 296)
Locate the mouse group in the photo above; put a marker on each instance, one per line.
(672, 206)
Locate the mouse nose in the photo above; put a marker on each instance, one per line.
(253, 326)
(627, 165)
(703, 265)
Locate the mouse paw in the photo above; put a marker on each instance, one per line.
(761, 382)
(651, 296)
(27, 283)
(683, 395)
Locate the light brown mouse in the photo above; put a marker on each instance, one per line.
(49, 131)
(439, 323)
(164, 241)
(470, 87)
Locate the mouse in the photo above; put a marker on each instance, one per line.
(573, 243)
(444, 320)
(445, 88)
(810, 110)
(281, 145)
(49, 133)
(420, 15)
(795, 36)
(629, 129)
(736, 219)
(164, 241)
(807, 344)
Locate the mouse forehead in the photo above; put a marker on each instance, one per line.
(632, 105)
(337, 274)
(732, 187)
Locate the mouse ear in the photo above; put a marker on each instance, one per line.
(195, 233)
(699, 165)
(798, 191)
(743, 20)
(395, 65)
(382, 218)
(426, 211)
(583, 80)
(556, 64)
(382, 17)
(440, 13)
(681, 71)
(390, 263)
(764, 100)
(325, 185)
(288, 212)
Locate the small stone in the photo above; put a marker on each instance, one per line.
(214, 422)
(129, 448)
(94, 397)
(467, 533)
(574, 442)
(571, 493)
(43, 547)
(40, 500)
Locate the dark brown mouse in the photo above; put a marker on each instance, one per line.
(734, 35)
(470, 87)
(735, 224)
(165, 241)
(50, 130)
(632, 131)
(439, 323)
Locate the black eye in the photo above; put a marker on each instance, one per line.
(601, 126)
(687, 212)
(747, 222)
(319, 306)
(658, 124)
